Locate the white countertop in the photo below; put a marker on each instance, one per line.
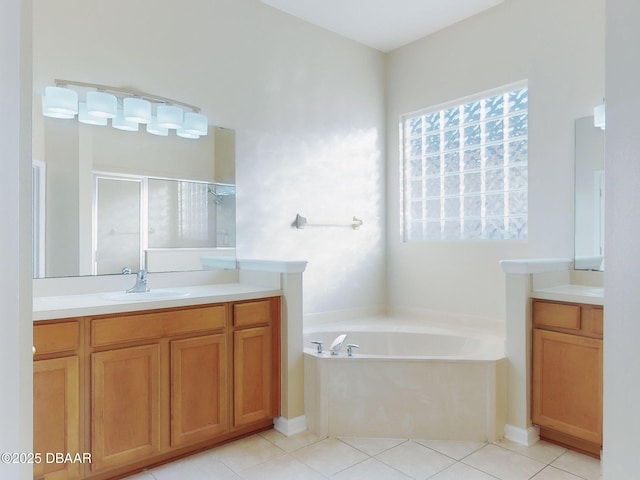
(571, 293)
(66, 306)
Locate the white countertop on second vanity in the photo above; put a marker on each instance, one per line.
(67, 306)
(571, 293)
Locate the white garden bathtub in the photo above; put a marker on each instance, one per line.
(409, 378)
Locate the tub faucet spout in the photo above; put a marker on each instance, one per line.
(337, 344)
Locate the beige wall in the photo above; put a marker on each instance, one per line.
(559, 48)
(307, 107)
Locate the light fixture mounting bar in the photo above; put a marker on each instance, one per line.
(127, 92)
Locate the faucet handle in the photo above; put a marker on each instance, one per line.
(318, 344)
(350, 347)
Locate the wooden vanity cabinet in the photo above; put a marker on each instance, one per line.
(56, 398)
(199, 391)
(125, 405)
(567, 374)
(145, 364)
(137, 389)
(256, 356)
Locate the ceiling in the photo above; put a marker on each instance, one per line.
(383, 24)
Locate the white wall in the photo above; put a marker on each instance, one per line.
(622, 273)
(15, 240)
(306, 104)
(559, 48)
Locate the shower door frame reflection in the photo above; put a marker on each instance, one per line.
(141, 224)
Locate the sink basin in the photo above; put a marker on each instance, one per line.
(149, 296)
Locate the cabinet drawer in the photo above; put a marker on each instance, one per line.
(252, 313)
(149, 326)
(556, 315)
(195, 320)
(56, 337)
(125, 328)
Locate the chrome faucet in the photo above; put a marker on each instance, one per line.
(318, 345)
(337, 344)
(350, 348)
(141, 283)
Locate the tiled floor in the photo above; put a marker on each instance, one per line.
(271, 455)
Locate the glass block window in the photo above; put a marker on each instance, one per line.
(465, 170)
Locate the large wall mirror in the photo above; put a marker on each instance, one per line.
(108, 201)
(589, 201)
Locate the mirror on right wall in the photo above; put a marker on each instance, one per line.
(589, 201)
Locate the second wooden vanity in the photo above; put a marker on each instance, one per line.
(567, 373)
(137, 389)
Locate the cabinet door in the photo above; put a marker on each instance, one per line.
(125, 406)
(252, 370)
(199, 408)
(56, 416)
(567, 384)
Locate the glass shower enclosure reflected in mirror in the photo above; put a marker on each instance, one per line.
(589, 195)
(67, 198)
(160, 224)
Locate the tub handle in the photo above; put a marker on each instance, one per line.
(350, 347)
(318, 344)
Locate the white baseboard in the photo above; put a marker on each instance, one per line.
(290, 426)
(526, 437)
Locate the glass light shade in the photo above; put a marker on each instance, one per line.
(102, 104)
(47, 113)
(195, 123)
(84, 117)
(170, 116)
(120, 123)
(59, 102)
(154, 129)
(599, 118)
(181, 132)
(137, 110)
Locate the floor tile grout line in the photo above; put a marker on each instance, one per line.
(350, 466)
(563, 453)
(404, 440)
(567, 471)
(481, 470)
(532, 476)
(525, 455)
(449, 456)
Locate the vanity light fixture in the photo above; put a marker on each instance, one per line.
(126, 108)
(155, 129)
(59, 102)
(599, 118)
(102, 105)
(136, 110)
(195, 123)
(170, 116)
(84, 117)
(122, 123)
